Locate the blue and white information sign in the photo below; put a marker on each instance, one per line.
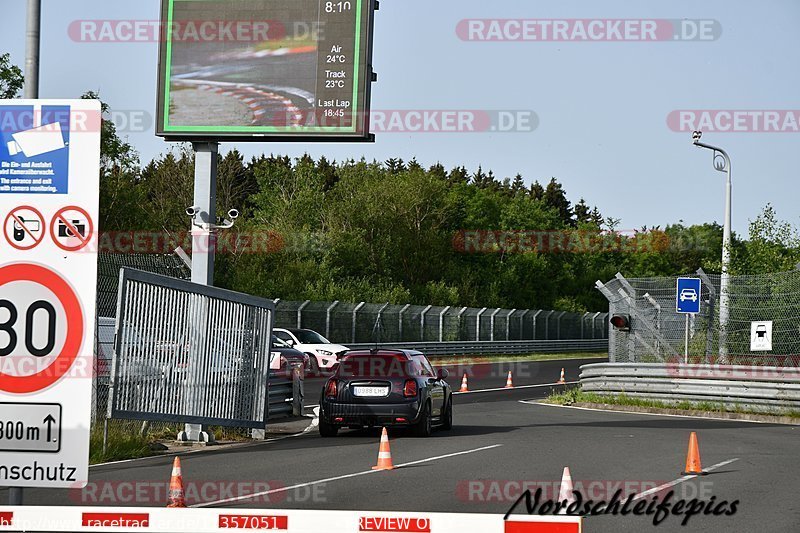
(49, 203)
(687, 297)
(34, 148)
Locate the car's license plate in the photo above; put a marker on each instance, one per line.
(371, 392)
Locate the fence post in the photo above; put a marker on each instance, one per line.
(522, 324)
(508, 321)
(594, 326)
(547, 325)
(712, 297)
(328, 319)
(537, 313)
(400, 322)
(478, 324)
(355, 313)
(422, 323)
(558, 325)
(300, 313)
(379, 323)
(491, 317)
(460, 314)
(441, 323)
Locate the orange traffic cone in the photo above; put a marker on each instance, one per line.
(176, 497)
(464, 387)
(562, 379)
(693, 466)
(509, 382)
(384, 454)
(565, 491)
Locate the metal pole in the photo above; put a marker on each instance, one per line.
(203, 250)
(478, 324)
(686, 346)
(14, 495)
(491, 321)
(722, 163)
(300, 313)
(441, 323)
(508, 321)
(400, 322)
(32, 49)
(522, 324)
(537, 313)
(328, 319)
(355, 314)
(422, 323)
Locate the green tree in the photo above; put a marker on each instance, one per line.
(11, 79)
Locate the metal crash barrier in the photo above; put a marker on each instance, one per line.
(189, 353)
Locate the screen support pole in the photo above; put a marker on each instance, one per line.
(203, 250)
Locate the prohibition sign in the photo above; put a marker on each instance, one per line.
(15, 219)
(83, 237)
(74, 327)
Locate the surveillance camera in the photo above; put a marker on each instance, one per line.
(192, 211)
(696, 135)
(233, 214)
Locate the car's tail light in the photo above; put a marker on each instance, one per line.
(330, 389)
(410, 389)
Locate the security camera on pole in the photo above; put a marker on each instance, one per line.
(204, 229)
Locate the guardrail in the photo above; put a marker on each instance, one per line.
(438, 349)
(756, 388)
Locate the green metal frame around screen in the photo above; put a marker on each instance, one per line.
(265, 133)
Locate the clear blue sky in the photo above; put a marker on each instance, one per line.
(602, 106)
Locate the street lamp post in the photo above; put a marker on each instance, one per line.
(722, 163)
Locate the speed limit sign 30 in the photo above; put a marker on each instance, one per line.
(49, 195)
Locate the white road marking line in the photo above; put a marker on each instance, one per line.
(682, 479)
(693, 417)
(516, 387)
(339, 478)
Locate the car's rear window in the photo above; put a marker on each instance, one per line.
(377, 366)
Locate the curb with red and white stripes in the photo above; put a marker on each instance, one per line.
(264, 105)
(100, 519)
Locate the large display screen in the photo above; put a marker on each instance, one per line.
(254, 69)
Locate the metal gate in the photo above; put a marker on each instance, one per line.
(189, 353)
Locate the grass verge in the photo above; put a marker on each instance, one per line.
(123, 443)
(575, 396)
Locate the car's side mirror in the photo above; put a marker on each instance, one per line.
(442, 373)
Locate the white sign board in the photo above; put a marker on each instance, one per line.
(761, 336)
(49, 195)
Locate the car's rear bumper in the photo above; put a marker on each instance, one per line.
(345, 415)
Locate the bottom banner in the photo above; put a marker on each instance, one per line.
(160, 520)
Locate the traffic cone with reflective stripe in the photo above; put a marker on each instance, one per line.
(562, 379)
(565, 491)
(509, 382)
(693, 466)
(384, 454)
(177, 497)
(464, 387)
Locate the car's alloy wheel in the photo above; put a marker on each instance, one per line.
(314, 363)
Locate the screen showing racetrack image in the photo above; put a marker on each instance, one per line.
(255, 69)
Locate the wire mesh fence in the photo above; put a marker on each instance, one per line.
(353, 323)
(658, 330)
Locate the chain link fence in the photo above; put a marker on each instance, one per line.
(353, 323)
(658, 330)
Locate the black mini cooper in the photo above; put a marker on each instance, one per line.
(386, 388)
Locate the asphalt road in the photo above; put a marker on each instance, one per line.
(498, 442)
